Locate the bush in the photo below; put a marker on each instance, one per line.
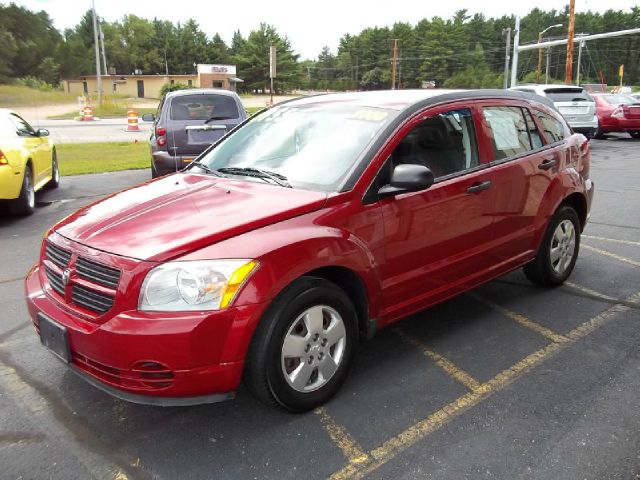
(35, 83)
(167, 87)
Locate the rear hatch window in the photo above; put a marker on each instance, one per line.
(204, 107)
(568, 95)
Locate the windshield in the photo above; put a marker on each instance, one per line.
(311, 146)
(568, 95)
(619, 99)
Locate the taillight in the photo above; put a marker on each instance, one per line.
(618, 113)
(160, 136)
(3, 159)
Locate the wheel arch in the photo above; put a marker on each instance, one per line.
(578, 202)
(353, 285)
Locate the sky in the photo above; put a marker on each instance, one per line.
(309, 25)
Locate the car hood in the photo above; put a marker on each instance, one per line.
(174, 215)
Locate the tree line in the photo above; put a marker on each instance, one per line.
(462, 51)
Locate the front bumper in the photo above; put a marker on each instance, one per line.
(154, 358)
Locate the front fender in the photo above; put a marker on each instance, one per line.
(286, 251)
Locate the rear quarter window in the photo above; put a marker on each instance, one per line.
(203, 107)
(553, 128)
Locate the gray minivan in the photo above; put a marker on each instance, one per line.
(187, 122)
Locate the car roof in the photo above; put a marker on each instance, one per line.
(201, 91)
(402, 99)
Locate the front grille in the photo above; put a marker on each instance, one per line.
(91, 300)
(97, 273)
(57, 255)
(55, 280)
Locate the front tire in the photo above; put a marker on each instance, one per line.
(25, 204)
(635, 134)
(559, 249)
(302, 349)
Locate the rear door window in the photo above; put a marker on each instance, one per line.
(510, 133)
(204, 107)
(553, 128)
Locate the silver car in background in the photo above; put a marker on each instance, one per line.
(572, 101)
(187, 123)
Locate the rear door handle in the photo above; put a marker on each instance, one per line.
(478, 187)
(547, 164)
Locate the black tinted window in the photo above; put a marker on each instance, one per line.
(22, 127)
(203, 107)
(568, 95)
(509, 131)
(445, 143)
(553, 128)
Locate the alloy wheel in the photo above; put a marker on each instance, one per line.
(563, 246)
(313, 348)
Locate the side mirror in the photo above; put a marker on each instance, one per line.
(42, 132)
(408, 178)
(148, 117)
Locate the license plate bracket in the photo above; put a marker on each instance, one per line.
(55, 338)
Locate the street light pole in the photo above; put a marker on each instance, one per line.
(539, 70)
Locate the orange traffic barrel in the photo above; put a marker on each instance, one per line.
(87, 113)
(132, 121)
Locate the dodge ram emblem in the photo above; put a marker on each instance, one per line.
(65, 276)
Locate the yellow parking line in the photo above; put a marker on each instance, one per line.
(522, 320)
(615, 240)
(397, 444)
(343, 440)
(445, 364)
(610, 254)
(588, 291)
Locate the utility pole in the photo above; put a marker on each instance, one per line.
(546, 71)
(272, 68)
(393, 67)
(568, 71)
(580, 45)
(104, 53)
(539, 69)
(166, 64)
(514, 61)
(506, 56)
(95, 39)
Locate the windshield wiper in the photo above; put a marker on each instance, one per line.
(217, 117)
(255, 172)
(205, 168)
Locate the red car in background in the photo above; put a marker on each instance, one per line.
(316, 223)
(617, 112)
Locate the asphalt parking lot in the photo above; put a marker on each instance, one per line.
(510, 381)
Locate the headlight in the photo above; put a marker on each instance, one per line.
(194, 285)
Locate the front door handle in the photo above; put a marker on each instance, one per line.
(478, 187)
(547, 164)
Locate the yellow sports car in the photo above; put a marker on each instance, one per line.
(28, 162)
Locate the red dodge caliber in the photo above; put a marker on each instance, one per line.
(302, 232)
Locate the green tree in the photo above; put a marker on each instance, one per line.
(253, 61)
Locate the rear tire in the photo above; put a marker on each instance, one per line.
(635, 134)
(55, 172)
(302, 349)
(25, 204)
(559, 250)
